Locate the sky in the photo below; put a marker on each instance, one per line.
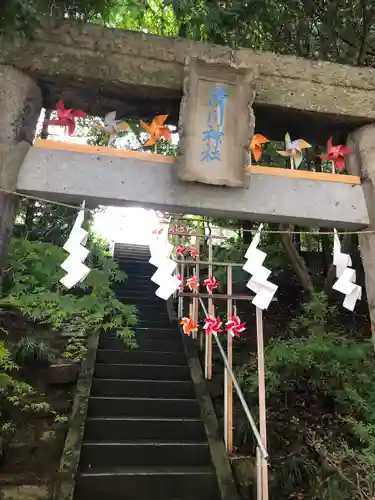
(126, 225)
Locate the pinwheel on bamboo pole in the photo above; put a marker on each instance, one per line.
(113, 127)
(336, 154)
(66, 117)
(256, 146)
(157, 129)
(293, 150)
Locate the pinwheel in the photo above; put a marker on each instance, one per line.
(256, 145)
(293, 150)
(157, 129)
(180, 250)
(180, 282)
(193, 252)
(212, 325)
(193, 283)
(66, 117)
(157, 232)
(234, 326)
(113, 127)
(210, 284)
(336, 154)
(188, 325)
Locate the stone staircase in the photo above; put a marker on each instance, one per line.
(144, 438)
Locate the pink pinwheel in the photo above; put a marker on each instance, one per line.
(211, 283)
(234, 326)
(66, 117)
(157, 232)
(180, 282)
(180, 250)
(193, 283)
(193, 252)
(212, 325)
(336, 154)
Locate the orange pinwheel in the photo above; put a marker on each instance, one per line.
(188, 325)
(256, 145)
(157, 129)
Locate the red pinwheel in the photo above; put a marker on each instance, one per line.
(66, 117)
(180, 250)
(336, 154)
(193, 252)
(234, 326)
(212, 325)
(211, 283)
(180, 284)
(193, 283)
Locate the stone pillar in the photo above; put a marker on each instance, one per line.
(20, 106)
(362, 163)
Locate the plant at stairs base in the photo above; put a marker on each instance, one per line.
(31, 285)
(15, 396)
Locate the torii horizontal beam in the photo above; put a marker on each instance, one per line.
(106, 176)
(100, 69)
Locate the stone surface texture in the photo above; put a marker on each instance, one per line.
(20, 105)
(237, 123)
(110, 180)
(101, 69)
(362, 162)
(24, 492)
(64, 487)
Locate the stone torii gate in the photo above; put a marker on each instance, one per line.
(98, 70)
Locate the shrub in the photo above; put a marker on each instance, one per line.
(321, 423)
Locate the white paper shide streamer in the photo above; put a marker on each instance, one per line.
(346, 275)
(160, 251)
(76, 270)
(259, 284)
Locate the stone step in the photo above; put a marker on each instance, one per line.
(139, 297)
(154, 323)
(131, 267)
(138, 357)
(138, 428)
(139, 407)
(147, 344)
(144, 483)
(167, 333)
(96, 454)
(143, 388)
(141, 372)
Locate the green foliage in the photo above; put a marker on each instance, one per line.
(75, 349)
(31, 285)
(15, 396)
(46, 222)
(320, 396)
(21, 16)
(341, 31)
(29, 352)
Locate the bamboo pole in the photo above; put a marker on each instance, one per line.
(195, 299)
(259, 474)
(211, 310)
(262, 400)
(228, 384)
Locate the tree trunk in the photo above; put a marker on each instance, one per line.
(297, 261)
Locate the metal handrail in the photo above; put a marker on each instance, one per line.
(240, 395)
